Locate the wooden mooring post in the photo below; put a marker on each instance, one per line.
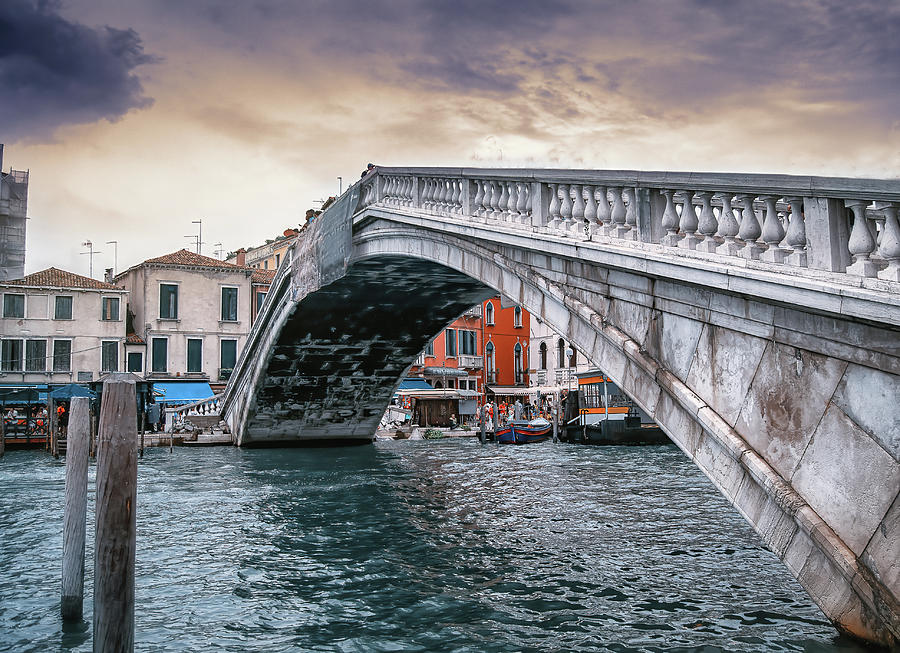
(114, 538)
(556, 419)
(482, 435)
(143, 415)
(77, 443)
(495, 422)
(2, 436)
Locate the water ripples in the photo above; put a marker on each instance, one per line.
(415, 546)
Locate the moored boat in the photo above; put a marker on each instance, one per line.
(522, 432)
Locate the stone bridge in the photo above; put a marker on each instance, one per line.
(755, 317)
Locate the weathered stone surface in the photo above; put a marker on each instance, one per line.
(630, 318)
(677, 343)
(785, 402)
(847, 478)
(724, 364)
(882, 555)
(872, 400)
(679, 424)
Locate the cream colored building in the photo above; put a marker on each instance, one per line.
(191, 312)
(554, 361)
(60, 327)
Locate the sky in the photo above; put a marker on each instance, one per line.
(136, 118)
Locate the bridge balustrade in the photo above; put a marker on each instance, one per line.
(783, 222)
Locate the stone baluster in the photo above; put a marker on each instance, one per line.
(861, 243)
(395, 191)
(478, 208)
(451, 195)
(889, 246)
(630, 213)
(401, 191)
(496, 211)
(440, 195)
(457, 196)
(688, 222)
(750, 229)
(772, 232)
(388, 188)
(504, 200)
(670, 220)
(512, 202)
(604, 215)
(707, 223)
(565, 208)
(795, 238)
(728, 228)
(488, 197)
(577, 226)
(522, 203)
(426, 193)
(590, 212)
(553, 210)
(615, 224)
(408, 195)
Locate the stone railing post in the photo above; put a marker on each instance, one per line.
(416, 190)
(540, 203)
(650, 206)
(826, 233)
(466, 197)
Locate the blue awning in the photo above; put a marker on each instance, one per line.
(181, 392)
(415, 383)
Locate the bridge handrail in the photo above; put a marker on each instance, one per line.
(834, 224)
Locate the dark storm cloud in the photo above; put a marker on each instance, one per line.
(55, 72)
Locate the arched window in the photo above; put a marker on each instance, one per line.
(517, 317)
(489, 313)
(517, 363)
(543, 353)
(560, 353)
(573, 359)
(489, 363)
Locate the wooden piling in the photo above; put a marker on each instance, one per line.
(2, 435)
(77, 443)
(114, 540)
(94, 419)
(143, 415)
(51, 423)
(556, 419)
(482, 436)
(495, 421)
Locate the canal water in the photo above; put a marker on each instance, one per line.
(415, 546)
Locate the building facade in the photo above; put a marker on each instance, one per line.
(265, 257)
(13, 207)
(191, 312)
(60, 327)
(556, 363)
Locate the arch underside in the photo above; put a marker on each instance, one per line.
(661, 341)
(344, 348)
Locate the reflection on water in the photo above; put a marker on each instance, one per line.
(415, 546)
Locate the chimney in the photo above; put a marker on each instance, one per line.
(108, 275)
(241, 257)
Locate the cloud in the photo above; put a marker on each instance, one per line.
(55, 72)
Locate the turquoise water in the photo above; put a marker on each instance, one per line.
(415, 546)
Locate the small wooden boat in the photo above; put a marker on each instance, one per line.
(521, 432)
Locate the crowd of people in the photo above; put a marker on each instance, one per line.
(34, 420)
(515, 410)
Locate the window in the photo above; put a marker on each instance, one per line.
(573, 358)
(168, 301)
(228, 354)
(489, 313)
(11, 356)
(35, 355)
(194, 354)
(109, 356)
(517, 317)
(450, 342)
(159, 354)
(543, 355)
(560, 353)
(260, 298)
(62, 355)
(429, 348)
(63, 310)
(110, 309)
(135, 361)
(277, 261)
(489, 362)
(467, 343)
(229, 304)
(13, 305)
(265, 265)
(517, 363)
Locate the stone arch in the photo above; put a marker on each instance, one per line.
(630, 344)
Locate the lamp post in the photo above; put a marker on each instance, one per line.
(91, 254)
(115, 244)
(200, 236)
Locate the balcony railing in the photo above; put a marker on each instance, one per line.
(470, 362)
(783, 222)
(475, 311)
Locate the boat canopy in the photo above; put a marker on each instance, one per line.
(415, 383)
(181, 392)
(518, 390)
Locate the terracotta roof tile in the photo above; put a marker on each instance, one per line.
(185, 257)
(56, 278)
(134, 339)
(263, 276)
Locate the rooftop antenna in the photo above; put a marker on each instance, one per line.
(91, 254)
(200, 236)
(196, 240)
(218, 251)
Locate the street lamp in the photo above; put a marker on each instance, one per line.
(115, 244)
(91, 254)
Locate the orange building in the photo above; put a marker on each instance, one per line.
(486, 346)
